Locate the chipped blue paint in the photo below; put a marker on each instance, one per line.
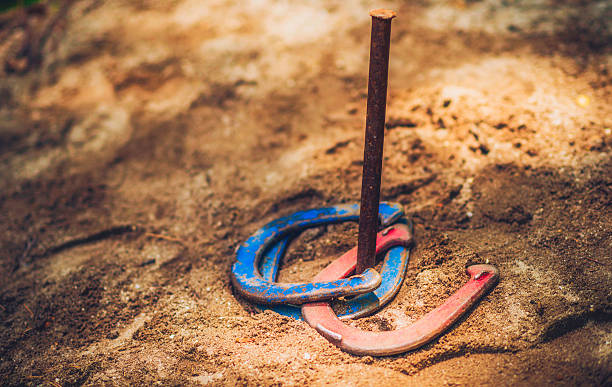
(392, 273)
(249, 282)
(270, 262)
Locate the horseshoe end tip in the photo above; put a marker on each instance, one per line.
(476, 271)
(372, 278)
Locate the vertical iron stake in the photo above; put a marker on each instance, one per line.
(374, 137)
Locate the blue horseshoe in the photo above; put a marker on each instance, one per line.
(250, 284)
(392, 273)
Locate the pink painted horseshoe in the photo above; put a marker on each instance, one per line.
(353, 340)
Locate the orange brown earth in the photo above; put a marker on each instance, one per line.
(141, 142)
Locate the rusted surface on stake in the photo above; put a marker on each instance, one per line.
(374, 136)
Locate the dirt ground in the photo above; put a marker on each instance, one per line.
(141, 142)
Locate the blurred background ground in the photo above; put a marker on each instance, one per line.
(142, 141)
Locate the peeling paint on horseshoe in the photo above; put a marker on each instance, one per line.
(356, 341)
(249, 283)
(399, 236)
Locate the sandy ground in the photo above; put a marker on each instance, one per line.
(148, 141)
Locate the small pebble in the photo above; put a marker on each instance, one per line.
(583, 101)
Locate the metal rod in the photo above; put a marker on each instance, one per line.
(374, 137)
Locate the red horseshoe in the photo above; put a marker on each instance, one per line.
(353, 340)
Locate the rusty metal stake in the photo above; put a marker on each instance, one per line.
(374, 137)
